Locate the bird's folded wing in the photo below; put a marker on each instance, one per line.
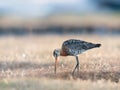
(75, 47)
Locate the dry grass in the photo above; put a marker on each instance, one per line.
(50, 84)
(27, 63)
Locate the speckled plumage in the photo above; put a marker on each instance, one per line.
(74, 47)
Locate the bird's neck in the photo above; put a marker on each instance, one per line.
(63, 53)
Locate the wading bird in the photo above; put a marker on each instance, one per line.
(73, 47)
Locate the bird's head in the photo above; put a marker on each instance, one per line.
(56, 53)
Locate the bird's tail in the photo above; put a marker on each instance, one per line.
(97, 45)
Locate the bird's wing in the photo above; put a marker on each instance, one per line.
(75, 47)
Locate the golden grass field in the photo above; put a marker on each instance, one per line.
(27, 63)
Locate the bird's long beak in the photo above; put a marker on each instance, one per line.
(56, 64)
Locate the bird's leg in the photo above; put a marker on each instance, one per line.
(77, 65)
